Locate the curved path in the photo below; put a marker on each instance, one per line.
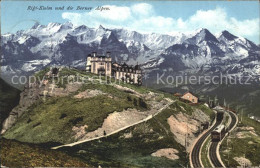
(233, 123)
(195, 153)
(213, 155)
(214, 147)
(121, 129)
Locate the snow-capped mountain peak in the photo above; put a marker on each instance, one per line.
(228, 40)
(225, 34)
(101, 27)
(66, 44)
(35, 26)
(66, 26)
(202, 35)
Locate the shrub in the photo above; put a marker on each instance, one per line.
(135, 102)
(142, 103)
(63, 116)
(129, 98)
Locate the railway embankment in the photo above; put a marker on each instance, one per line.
(241, 146)
(214, 147)
(195, 154)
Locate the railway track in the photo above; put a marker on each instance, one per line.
(195, 154)
(233, 121)
(214, 145)
(213, 155)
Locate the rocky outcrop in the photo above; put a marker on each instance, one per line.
(169, 153)
(118, 120)
(88, 94)
(186, 128)
(243, 161)
(28, 96)
(31, 94)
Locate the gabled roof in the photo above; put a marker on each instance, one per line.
(124, 65)
(189, 92)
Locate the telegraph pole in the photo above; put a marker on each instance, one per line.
(215, 100)
(186, 140)
(242, 115)
(227, 148)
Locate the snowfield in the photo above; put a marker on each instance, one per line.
(30, 50)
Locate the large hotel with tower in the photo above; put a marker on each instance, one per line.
(103, 65)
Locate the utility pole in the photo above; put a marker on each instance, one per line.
(186, 140)
(227, 149)
(242, 115)
(210, 103)
(215, 100)
(186, 146)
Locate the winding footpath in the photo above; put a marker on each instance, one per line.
(170, 101)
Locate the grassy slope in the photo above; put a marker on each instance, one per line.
(135, 151)
(240, 147)
(8, 99)
(44, 123)
(250, 122)
(17, 154)
(246, 97)
(204, 153)
(52, 120)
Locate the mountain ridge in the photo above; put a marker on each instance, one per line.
(66, 44)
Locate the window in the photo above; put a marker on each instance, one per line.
(94, 66)
(108, 68)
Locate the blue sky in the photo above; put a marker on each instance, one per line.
(168, 17)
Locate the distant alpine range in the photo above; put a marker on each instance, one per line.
(30, 50)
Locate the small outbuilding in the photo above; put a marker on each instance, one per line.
(190, 97)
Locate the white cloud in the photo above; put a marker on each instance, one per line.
(94, 18)
(142, 17)
(114, 14)
(142, 9)
(217, 20)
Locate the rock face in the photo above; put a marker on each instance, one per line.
(32, 93)
(8, 100)
(169, 153)
(29, 96)
(88, 93)
(184, 126)
(113, 122)
(118, 120)
(243, 161)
